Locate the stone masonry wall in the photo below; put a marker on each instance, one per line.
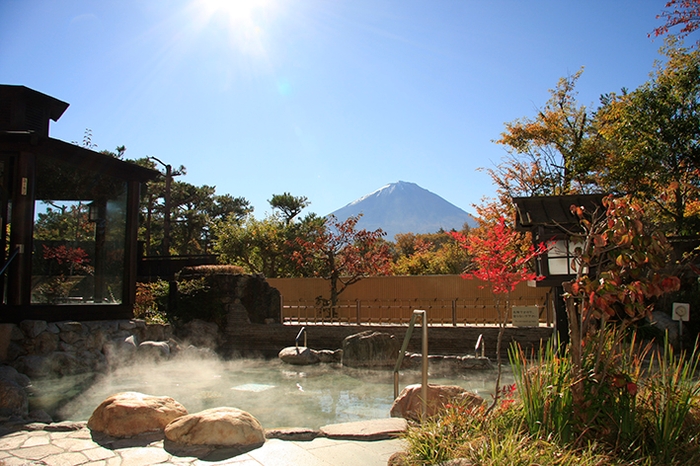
(40, 349)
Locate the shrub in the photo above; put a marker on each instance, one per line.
(152, 302)
(640, 407)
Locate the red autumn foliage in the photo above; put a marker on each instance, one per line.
(65, 255)
(343, 255)
(630, 264)
(71, 259)
(684, 13)
(497, 259)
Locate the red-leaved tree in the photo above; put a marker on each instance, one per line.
(69, 260)
(343, 255)
(621, 269)
(499, 260)
(684, 13)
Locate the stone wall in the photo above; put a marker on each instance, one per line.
(35, 349)
(268, 340)
(40, 349)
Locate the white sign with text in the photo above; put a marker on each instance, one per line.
(526, 316)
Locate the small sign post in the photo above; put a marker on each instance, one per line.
(681, 313)
(526, 316)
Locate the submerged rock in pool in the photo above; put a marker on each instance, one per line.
(129, 414)
(299, 355)
(220, 427)
(409, 404)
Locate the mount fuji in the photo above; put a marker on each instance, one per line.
(405, 207)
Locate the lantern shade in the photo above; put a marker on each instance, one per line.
(550, 219)
(563, 256)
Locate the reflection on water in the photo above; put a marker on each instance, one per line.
(277, 394)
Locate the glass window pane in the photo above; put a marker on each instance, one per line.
(79, 236)
(558, 249)
(558, 266)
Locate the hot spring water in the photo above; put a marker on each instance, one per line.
(277, 394)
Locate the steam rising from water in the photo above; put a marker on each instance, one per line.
(277, 394)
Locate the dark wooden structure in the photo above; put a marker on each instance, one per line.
(152, 268)
(549, 219)
(69, 219)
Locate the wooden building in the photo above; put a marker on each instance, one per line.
(69, 219)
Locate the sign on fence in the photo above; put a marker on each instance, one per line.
(526, 316)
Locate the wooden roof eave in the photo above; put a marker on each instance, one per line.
(17, 141)
(551, 212)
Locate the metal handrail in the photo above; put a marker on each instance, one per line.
(479, 343)
(296, 340)
(424, 358)
(9, 260)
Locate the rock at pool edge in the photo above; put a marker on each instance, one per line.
(129, 414)
(221, 427)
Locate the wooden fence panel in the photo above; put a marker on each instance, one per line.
(449, 300)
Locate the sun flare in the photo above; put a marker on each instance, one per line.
(235, 12)
(244, 21)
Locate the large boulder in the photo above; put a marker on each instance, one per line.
(299, 356)
(409, 403)
(32, 328)
(201, 334)
(220, 427)
(227, 296)
(120, 349)
(664, 324)
(330, 356)
(154, 349)
(370, 349)
(14, 400)
(10, 337)
(129, 414)
(55, 364)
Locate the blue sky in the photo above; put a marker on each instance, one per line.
(328, 99)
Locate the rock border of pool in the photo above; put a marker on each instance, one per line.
(73, 443)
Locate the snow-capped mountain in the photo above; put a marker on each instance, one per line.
(405, 207)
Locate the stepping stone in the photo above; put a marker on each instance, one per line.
(377, 429)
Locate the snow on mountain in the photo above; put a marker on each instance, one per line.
(405, 207)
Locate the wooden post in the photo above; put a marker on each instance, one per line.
(20, 273)
(281, 309)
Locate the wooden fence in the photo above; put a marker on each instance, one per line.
(449, 300)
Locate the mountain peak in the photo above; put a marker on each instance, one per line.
(387, 190)
(405, 207)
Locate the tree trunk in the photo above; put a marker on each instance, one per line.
(501, 329)
(575, 342)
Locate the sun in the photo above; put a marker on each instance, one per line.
(243, 20)
(234, 11)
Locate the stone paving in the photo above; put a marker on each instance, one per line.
(73, 444)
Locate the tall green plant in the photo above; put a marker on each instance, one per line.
(544, 386)
(638, 404)
(612, 371)
(671, 391)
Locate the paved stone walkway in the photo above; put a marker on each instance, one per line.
(73, 444)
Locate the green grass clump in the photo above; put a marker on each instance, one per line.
(495, 439)
(636, 406)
